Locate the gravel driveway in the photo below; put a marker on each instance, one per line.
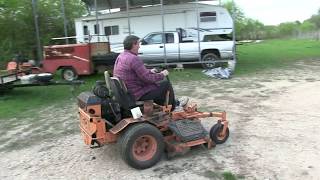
(274, 123)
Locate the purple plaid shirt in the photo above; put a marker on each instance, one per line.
(138, 79)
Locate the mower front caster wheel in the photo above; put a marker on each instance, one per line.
(141, 146)
(216, 134)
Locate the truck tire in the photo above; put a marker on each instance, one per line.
(141, 145)
(209, 57)
(69, 74)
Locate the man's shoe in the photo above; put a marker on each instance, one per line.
(182, 101)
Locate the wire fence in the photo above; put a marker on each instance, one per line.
(312, 35)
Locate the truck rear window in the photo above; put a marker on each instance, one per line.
(217, 37)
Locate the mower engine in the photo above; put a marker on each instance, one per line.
(98, 113)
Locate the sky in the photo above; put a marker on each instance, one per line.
(274, 12)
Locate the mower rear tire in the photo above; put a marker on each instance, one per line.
(141, 145)
(216, 134)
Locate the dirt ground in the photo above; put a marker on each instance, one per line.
(274, 121)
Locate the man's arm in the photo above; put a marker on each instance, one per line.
(145, 74)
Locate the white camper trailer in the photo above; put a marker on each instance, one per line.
(113, 27)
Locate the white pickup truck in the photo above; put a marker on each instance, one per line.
(182, 47)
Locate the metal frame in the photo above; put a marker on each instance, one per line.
(36, 25)
(65, 25)
(186, 62)
(97, 21)
(163, 29)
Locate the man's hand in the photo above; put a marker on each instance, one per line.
(154, 70)
(165, 72)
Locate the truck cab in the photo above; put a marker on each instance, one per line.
(183, 47)
(152, 47)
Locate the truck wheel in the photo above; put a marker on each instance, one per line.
(216, 136)
(69, 74)
(141, 146)
(209, 57)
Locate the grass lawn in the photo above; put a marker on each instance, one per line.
(273, 54)
(22, 102)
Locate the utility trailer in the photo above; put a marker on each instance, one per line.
(7, 80)
(77, 59)
(72, 60)
(17, 79)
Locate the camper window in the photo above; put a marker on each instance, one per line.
(217, 37)
(111, 30)
(85, 30)
(208, 16)
(96, 29)
(85, 33)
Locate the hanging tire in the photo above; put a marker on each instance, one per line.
(216, 134)
(69, 74)
(141, 146)
(209, 57)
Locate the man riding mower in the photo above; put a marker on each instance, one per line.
(143, 130)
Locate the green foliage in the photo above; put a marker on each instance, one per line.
(307, 26)
(247, 28)
(233, 8)
(315, 19)
(229, 176)
(17, 30)
(288, 29)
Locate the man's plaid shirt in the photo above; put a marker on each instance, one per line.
(138, 79)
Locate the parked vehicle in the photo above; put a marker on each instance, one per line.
(183, 47)
(21, 77)
(72, 59)
(77, 59)
(212, 25)
(114, 27)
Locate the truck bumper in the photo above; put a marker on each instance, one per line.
(226, 55)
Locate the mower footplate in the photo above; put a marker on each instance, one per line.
(188, 130)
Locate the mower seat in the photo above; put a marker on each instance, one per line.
(119, 92)
(122, 95)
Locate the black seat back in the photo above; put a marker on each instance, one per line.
(121, 94)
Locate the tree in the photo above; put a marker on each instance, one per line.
(288, 29)
(17, 30)
(315, 19)
(307, 26)
(239, 16)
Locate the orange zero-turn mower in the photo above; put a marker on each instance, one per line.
(143, 130)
